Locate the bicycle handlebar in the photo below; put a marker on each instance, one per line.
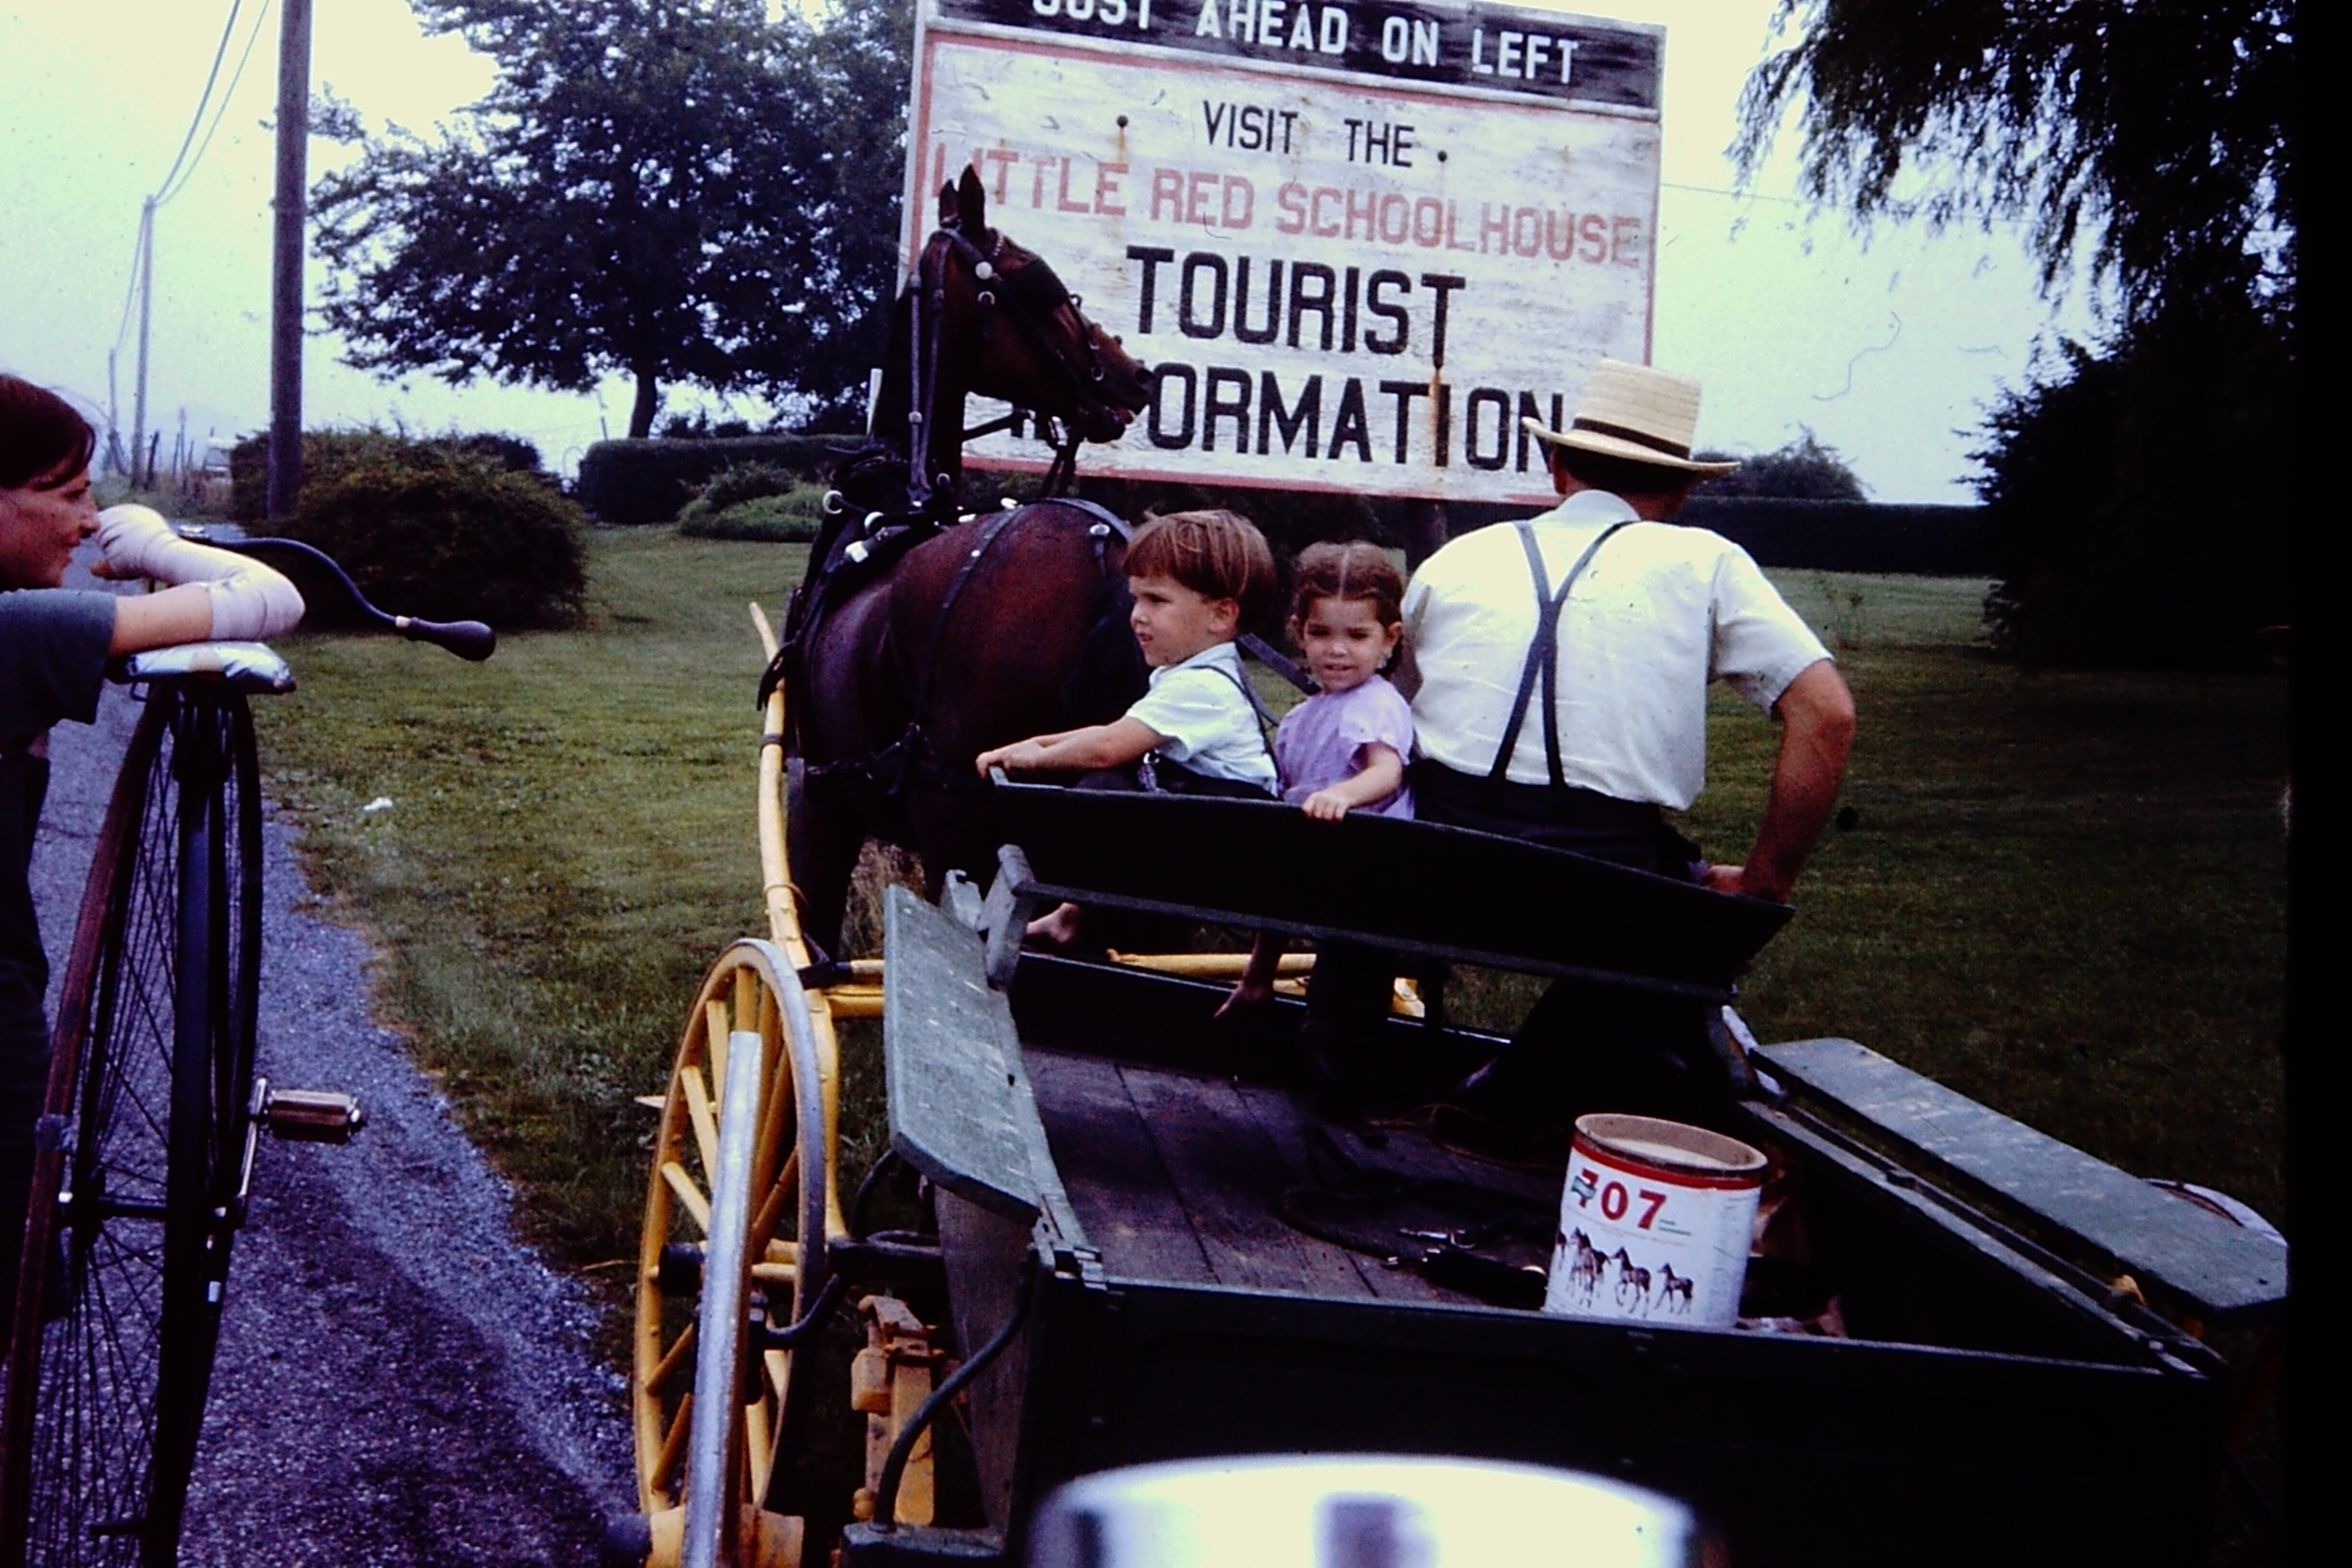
(469, 640)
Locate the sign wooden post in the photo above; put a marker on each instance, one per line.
(1357, 242)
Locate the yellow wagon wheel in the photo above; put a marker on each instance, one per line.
(740, 1204)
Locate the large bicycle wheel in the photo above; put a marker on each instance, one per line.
(149, 1109)
(737, 1213)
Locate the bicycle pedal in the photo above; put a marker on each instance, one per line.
(309, 1115)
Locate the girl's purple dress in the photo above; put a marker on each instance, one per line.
(1322, 739)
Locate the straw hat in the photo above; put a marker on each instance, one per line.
(1637, 414)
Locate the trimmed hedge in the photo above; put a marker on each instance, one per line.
(1849, 535)
(650, 481)
(1819, 535)
(792, 518)
(448, 537)
(756, 502)
(327, 455)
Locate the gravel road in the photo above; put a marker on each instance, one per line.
(400, 1381)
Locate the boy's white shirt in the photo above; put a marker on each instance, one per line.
(1204, 721)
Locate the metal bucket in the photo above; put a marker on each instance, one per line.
(1655, 1223)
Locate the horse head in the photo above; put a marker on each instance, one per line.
(1025, 338)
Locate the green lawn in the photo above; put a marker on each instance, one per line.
(2062, 893)
(570, 843)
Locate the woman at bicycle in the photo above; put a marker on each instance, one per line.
(54, 646)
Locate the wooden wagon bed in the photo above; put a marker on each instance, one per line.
(1101, 1147)
(1177, 1176)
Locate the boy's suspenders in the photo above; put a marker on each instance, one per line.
(1148, 773)
(1265, 719)
(1543, 655)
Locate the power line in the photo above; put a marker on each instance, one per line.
(176, 179)
(203, 99)
(221, 112)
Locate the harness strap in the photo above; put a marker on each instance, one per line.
(1543, 655)
(1275, 659)
(929, 297)
(990, 531)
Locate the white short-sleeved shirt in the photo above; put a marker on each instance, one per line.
(1203, 720)
(1660, 612)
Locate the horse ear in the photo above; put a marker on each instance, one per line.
(946, 203)
(972, 204)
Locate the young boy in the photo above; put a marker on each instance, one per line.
(1197, 578)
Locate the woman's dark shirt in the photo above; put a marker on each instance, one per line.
(53, 648)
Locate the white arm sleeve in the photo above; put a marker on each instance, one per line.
(248, 599)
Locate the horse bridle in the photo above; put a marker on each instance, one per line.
(1030, 294)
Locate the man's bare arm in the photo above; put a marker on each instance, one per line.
(1816, 715)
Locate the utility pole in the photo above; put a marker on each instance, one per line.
(285, 268)
(146, 313)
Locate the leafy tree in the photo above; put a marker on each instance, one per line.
(860, 63)
(2132, 510)
(2125, 494)
(2159, 129)
(1804, 470)
(653, 187)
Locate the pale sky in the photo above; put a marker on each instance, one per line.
(1889, 350)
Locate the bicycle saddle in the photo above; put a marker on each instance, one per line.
(243, 666)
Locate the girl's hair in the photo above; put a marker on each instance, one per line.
(1354, 570)
(41, 435)
(1216, 554)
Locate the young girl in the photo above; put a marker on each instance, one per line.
(1345, 748)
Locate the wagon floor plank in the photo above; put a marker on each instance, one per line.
(1230, 1178)
(1285, 1127)
(1112, 1170)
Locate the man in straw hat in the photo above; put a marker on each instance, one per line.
(1564, 662)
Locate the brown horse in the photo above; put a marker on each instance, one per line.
(986, 630)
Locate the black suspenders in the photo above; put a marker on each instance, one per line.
(1543, 655)
(1265, 721)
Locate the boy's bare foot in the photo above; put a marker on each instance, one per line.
(1058, 928)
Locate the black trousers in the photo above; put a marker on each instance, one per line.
(1586, 822)
(1586, 1047)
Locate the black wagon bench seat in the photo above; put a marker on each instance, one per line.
(1411, 888)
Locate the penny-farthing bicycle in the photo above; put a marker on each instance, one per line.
(145, 1146)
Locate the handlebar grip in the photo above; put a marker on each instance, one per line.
(469, 640)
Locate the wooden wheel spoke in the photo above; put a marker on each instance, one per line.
(689, 1194)
(672, 1359)
(699, 1111)
(673, 1448)
(759, 1448)
(772, 1208)
(717, 1029)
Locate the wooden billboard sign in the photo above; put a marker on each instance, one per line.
(1357, 242)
